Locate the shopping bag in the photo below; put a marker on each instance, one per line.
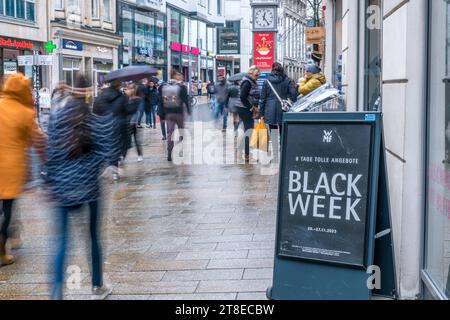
(260, 137)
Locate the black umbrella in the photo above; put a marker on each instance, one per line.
(237, 77)
(132, 73)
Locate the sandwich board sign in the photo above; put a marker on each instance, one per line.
(333, 222)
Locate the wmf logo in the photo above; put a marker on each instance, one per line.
(327, 136)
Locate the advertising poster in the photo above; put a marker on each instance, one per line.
(325, 190)
(264, 48)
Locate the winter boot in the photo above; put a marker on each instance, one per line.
(4, 258)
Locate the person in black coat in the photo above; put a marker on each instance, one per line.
(271, 109)
(249, 96)
(151, 105)
(113, 102)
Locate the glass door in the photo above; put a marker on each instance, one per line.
(437, 247)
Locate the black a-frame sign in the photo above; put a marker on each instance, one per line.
(334, 230)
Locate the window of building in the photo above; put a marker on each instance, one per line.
(57, 4)
(219, 7)
(437, 246)
(107, 10)
(184, 28)
(19, 9)
(71, 68)
(95, 9)
(73, 6)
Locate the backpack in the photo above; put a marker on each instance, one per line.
(170, 94)
(211, 88)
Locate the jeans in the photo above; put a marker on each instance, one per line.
(221, 110)
(173, 120)
(163, 129)
(141, 111)
(151, 116)
(249, 124)
(7, 212)
(96, 250)
(137, 143)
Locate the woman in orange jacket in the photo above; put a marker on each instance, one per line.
(18, 131)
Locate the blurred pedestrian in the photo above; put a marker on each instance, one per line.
(113, 101)
(131, 92)
(313, 80)
(221, 90)
(248, 109)
(152, 105)
(18, 131)
(174, 99)
(271, 108)
(234, 102)
(78, 151)
(200, 88)
(142, 92)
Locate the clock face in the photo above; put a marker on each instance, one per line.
(265, 18)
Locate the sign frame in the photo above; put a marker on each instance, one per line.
(304, 279)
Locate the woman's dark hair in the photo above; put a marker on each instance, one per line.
(278, 68)
(80, 137)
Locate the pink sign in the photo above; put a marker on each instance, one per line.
(195, 51)
(176, 46)
(185, 48)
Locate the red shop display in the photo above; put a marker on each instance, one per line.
(264, 47)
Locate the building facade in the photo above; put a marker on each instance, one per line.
(23, 31)
(142, 24)
(291, 37)
(85, 33)
(235, 39)
(391, 56)
(191, 35)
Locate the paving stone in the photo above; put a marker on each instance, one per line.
(258, 274)
(235, 254)
(240, 263)
(233, 286)
(153, 264)
(250, 245)
(147, 288)
(264, 253)
(221, 239)
(252, 296)
(232, 274)
(196, 296)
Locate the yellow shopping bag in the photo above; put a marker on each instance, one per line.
(260, 137)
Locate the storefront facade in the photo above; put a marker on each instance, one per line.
(86, 40)
(390, 56)
(191, 45)
(144, 34)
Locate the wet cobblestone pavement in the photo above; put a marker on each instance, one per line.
(169, 232)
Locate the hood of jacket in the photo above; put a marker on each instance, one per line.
(277, 78)
(110, 94)
(18, 87)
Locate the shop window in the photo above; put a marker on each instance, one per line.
(372, 74)
(437, 247)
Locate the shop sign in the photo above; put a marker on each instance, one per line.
(44, 60)
(195, 51)
(315, 35)
(176, 46)
(211, 54)
(45, 98)
(102, 49)
(72, 45)
(333, 208)
(264, 47)
(185, 48)
(9, 67)
(25, 60)
(17, 44)
(145, 51)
